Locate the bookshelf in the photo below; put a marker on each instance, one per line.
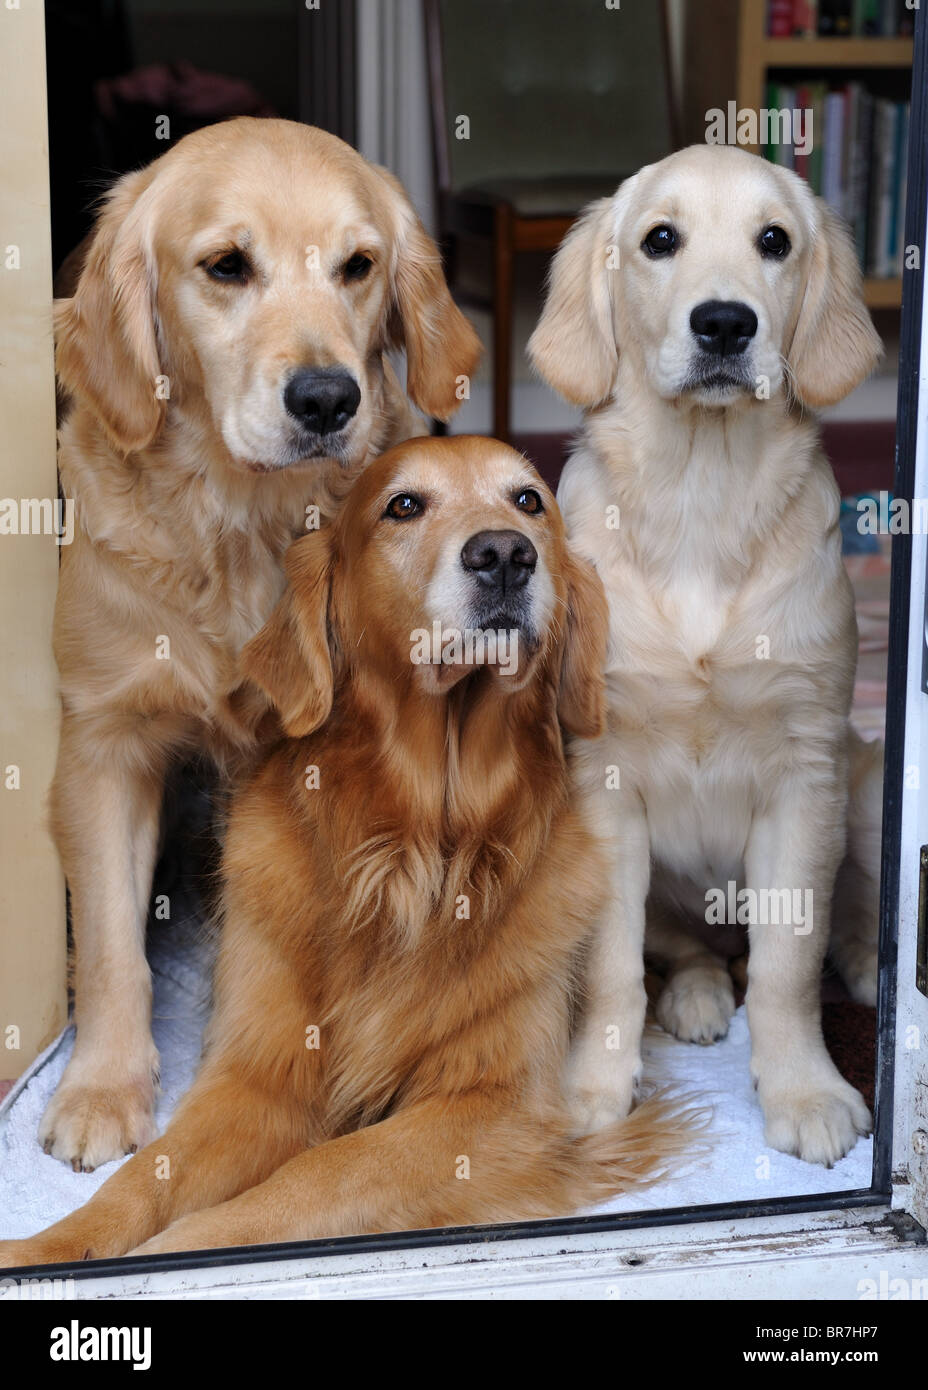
(883, 294)
(836, 53)
(758, 54)
(731, 54)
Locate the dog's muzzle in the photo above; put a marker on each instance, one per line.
(501, 564)
(322, 399)
(724, 330)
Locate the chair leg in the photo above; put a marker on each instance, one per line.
(448, 249)
(503, 254)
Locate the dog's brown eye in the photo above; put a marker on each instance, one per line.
(660, 241)
(528, 500)
(357, 267)
(231, 266)
(774, 242)
(403, 506)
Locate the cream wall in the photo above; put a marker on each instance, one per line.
(33, 1001)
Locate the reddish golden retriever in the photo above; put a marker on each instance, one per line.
(407, 887)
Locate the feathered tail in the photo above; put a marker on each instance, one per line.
(664, 1134)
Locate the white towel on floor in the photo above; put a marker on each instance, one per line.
(36, 1190)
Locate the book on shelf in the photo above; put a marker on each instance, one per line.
(804, 18)
(840, 19)
(865, 19)
(779, 18)
(834, 18)
(856, 160)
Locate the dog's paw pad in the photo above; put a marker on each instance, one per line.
(818, 1125)
(592, 1113)
(597, 1097)
(86, 1126)
(697, 1005)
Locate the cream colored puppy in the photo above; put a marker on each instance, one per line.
(696, 313)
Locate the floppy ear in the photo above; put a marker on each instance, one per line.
(106, 352)
(835, 345)
(573, 346)
(440, 343)
(290, 658)
(582, 699)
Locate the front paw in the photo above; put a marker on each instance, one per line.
(91, 1121)
(817, 1120)
(600, 1087)
(697, 1005)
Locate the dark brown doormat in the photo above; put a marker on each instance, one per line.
(850, 1036)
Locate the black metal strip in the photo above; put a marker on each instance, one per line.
(456, 1235)
(906, 431)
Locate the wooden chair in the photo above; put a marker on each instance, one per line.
(562, 101)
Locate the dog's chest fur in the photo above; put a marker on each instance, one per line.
(407, 1009)
(715, 669)
(181, 572)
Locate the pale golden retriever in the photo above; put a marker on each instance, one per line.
(225, 351)
(696, 314)
(406, 888)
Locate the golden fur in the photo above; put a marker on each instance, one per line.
(189, 485)
(419, 901)
(712, 518)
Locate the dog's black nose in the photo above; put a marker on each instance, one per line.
(323, 399)
(724, 327)
(501, 560)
